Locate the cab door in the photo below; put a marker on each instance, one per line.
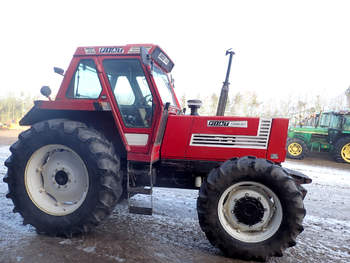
(138, 108)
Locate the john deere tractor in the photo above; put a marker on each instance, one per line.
(325, 132)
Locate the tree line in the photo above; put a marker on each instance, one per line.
(295, 108)
(13, 108)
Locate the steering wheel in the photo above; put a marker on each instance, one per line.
(148, 99)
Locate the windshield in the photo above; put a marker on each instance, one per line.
(163, 85)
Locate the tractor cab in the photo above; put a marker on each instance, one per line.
(129, 82)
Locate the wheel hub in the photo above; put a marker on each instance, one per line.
(345, 152)
(294, 149)
(249, 211)
(61, 177)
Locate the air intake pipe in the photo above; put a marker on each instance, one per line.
(194, 105)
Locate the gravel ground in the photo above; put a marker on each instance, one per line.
(172, 234)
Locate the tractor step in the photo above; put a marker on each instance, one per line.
(137, 208)
(141, 210)
(140, 190)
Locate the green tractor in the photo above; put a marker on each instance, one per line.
(324, 132)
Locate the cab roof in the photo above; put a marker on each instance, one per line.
(131, 49)
(156, 53)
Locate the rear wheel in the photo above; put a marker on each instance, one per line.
(296, 149)
(63, 177)
(341, 152)
(250, 209)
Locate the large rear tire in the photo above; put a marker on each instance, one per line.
(63, 177)
(341, 152)
(250, 209)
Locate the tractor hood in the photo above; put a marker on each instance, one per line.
(220, 138)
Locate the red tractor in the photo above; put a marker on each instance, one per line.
(115, 129)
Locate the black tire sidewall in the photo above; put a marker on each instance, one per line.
(279, 183)
(43, 221)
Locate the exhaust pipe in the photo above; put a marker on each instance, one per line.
(224, 91)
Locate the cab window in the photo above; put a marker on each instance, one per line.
(131, 91)
(346, 125)
(125, 95)
(85, 83)
(325, 120)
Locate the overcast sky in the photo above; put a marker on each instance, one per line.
(282, 47)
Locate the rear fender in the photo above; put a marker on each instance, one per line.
(100, 120)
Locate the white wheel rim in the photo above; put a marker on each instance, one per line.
(56, 179)
(264, 216)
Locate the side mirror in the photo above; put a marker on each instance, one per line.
(46, 91)
(145, 56)
(58, 71)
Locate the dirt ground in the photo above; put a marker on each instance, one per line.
(172, 234)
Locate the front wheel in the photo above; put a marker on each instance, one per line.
(250, 209)
(296, 149)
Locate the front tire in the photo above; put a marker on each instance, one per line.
(63, 177)
(296, 149)
(250, 209)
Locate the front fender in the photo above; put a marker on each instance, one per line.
(299, 177)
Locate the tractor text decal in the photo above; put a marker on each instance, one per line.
(236, 124)
(89, 51)
(111, 50)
